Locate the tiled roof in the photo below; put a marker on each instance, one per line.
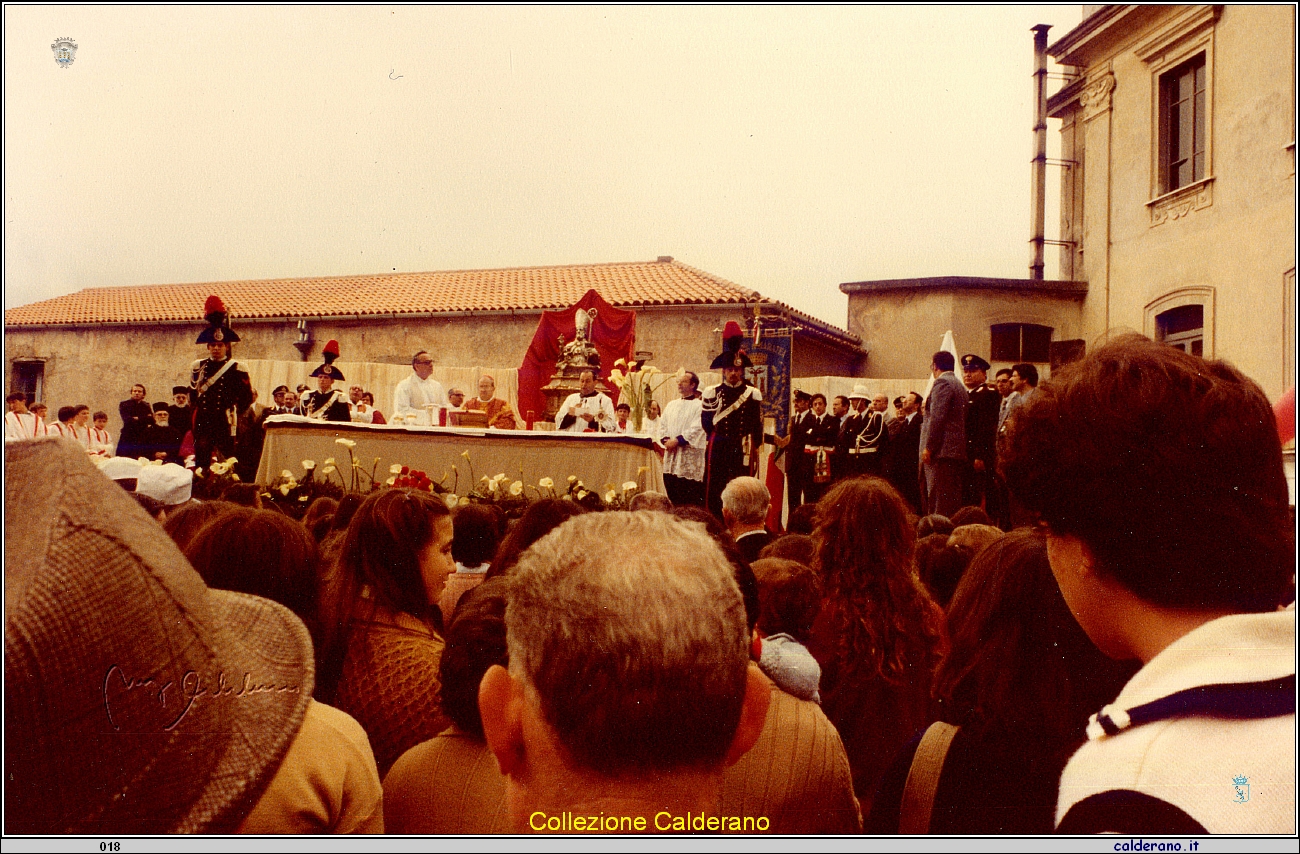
(650, 283)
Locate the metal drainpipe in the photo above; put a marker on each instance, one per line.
(1039, 173)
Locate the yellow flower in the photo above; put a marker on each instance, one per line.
(308, 465)
(621, 362)
(582, 493)
(347, 443)
(630, 486)
(327, 470)
(302, 497)
(463, 501)
(465, 454)
(231, 460)
(284, 490)
(609, 497)
(329, 461)
(546, 483)
(395, 468)
(573, 478)
(235, 478)
(517, 488)
(391, 481)
(286, 474)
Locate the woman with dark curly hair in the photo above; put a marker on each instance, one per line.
(879, 634)
(382, 632)
(1020, 682)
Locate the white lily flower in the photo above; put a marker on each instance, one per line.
(517, 488)
(395, 468)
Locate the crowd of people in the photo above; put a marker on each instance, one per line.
(893, 661)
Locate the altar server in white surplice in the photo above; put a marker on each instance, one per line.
(684, 444)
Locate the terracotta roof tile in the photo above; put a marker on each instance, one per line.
(664, 282)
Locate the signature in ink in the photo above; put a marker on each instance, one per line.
(192, 689)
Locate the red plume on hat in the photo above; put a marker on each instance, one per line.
(218, 331)
(733, 351)
(214, 311)
(330, 352)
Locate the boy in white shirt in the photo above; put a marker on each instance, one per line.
(19, 423)
(101, 441)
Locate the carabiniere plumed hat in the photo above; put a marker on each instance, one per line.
(137, 701)
(733, 351)
(330, 352)
(218, 331)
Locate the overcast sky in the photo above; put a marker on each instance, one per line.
(786, 149)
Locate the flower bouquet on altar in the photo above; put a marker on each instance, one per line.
(637, 386)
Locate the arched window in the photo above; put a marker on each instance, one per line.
(1183, 327)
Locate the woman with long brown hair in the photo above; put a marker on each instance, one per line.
(879, 634)
(381, 626)
(1020, 682)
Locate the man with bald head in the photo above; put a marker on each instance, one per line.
(499, 413)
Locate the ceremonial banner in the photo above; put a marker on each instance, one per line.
(771, 376)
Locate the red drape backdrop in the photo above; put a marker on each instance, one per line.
(613, 334)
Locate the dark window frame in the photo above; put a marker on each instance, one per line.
(1184, 124)
(1020, 342)
(1183, 327)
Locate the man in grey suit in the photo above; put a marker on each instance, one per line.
(943, 437)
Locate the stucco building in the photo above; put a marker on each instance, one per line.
(90, 346)
(1178, 203)
(1177, 176)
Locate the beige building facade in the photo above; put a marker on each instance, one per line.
(902, 321)
(1178, 206)
(1178, 192)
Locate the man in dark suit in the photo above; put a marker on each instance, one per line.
(904, 450)
(745, 501)
(820, 448)
(798, 467)
(943, 437)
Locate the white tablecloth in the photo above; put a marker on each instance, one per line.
(599, 461)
